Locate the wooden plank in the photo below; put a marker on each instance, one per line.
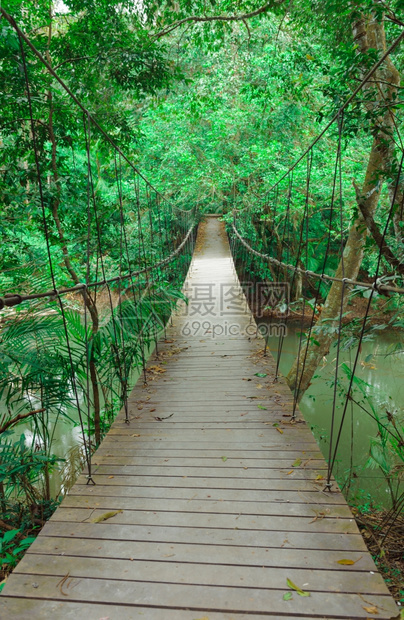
(201, 471)
(307, 492)
(139, 443)
(195, 504)
(236, 503)
(204, 519)
(209, 436)
(197, 597)
(201, 535)
(204, 553)
(286, 452)
(23, 608)
(203, 574)
(284, 461)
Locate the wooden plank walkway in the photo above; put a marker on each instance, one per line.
(214, 515)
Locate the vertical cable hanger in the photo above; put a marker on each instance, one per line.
(318, 289)
(285, 231)
(124, 385)
(136, 302)
(304, 228)
(86, 302)
(338, 171)
(142, 256)
(48, 250)
(103, 272)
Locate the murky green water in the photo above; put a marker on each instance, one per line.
(383, 373)
(67, 437)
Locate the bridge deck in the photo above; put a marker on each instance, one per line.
(219, 497)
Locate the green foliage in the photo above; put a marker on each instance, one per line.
(11, 551)
(213, 112)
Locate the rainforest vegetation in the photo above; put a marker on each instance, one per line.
(190, 107)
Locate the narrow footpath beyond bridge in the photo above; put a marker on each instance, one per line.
(215, 511)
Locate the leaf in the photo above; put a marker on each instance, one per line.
(105, 516)
(224, 459)
(261, 374)
(295, 587)
(8, 536)
(287, 596)
(157, 369)
(135, 435)
(297, 463)
(290, 472)
(349, 562)
(371, 610)
(261, 407)
(279, 430)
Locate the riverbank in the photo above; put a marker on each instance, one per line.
(383, 311)
(386, 549)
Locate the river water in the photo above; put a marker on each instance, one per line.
(67, 437)
(382, 370)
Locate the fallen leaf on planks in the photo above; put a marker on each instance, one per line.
(371, 610)
(348, 562)
(279, 430)
(161, 419)
(157, 369)
(105, 516)
(62, 582)
(287, 596)
(297, 463)
(319, 515)
(296, 588)
(135, 435)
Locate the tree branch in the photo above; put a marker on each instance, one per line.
(75, 60)
(20, 416)
(376, 233)
(215, 18)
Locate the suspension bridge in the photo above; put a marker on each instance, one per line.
(213, 497)
(209, 498)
